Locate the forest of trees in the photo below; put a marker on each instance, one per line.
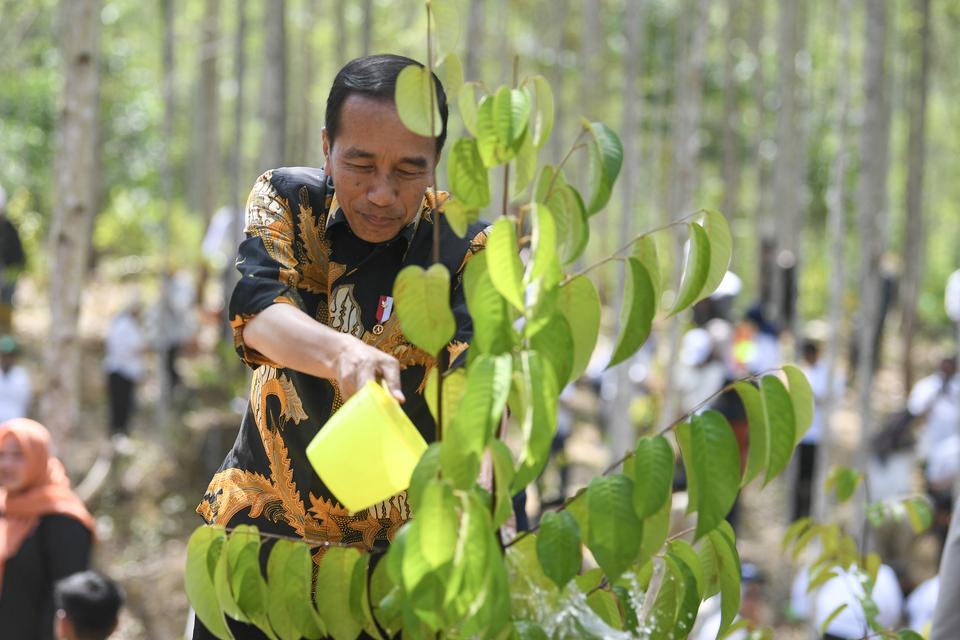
(824, 131)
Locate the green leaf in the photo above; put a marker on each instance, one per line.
(688, 601)
(569, 213)
(606, 157)
(424, 474)
(758, 452)
(580, 305)
(778, 410)
(492, 318)
(604, 604)
(636, 313)
(555, 342)
(221, 578)
(289, 594)
(459, 216)
(478, 414)
(511, 110)
(716, 458)
(434, 529)
(908, 634)
(728, 570)
(538, 424)
(684, 551)
(246, 580)
(503, 262)
(656, 527)
(503, 472)
(450, 72)
(469, 182)
(541, 115)
(664, 613)
(203, 552)
(843, 481)
(653, 464)
(529, 586)
(335, 578)
(615, 531)
(696, 268)
(577, 507)
(721, 248)
(416, 99)
(919, 514)
(422, 299)
(359, 596)
(454, 384)
(683, 433)
(558, 547)
(830, 618)
(544, 263)
(385, 596)
(801, 397)
(645, 250)
(467, 103)
(492, 151)
(525, 167)
(526, 630)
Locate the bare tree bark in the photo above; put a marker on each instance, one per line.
(837, 234)
(342, 54)
(301, 139)
(915, 226)
(273, 89)
(77, 171)
(763, 220)
(367, 35)
(872, 206)
(688, 107)
(622, 434)
(560, 9)
(475, 37)
(731, 116)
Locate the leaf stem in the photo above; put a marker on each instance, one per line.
(553, 180)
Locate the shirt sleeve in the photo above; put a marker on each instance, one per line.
(266, 262)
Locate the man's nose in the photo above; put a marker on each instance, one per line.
(382, 192)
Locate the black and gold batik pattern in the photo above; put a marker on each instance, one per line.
(299, 250)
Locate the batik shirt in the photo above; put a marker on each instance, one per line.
(299, 250)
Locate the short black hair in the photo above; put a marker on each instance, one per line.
(375, 77)
(91, 602)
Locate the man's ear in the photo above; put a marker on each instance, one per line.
(328, 166)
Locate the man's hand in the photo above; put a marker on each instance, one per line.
(358, 363)
(294, 340)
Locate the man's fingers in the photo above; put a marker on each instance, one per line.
(391, 375)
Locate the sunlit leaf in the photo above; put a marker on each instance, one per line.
(606, 157)
(511, 110)
(538, 423)
(454, 384)
(335, 576)
(715, 456)
(459, 216)
(758, 452)
(728, 570)
(580, 305)
(416, 100)
(503, 473)
(801, 397)
(843, 481)
(645, 250)
(424, 474)
(919, 514)
(541, 115)
(688, 601)
(467, 103)
(422, 299)
(524, 167)
(289, 592)
(555, 343)
(656, 527)
(685, 552)
(503, 262)
(468, 178)
(492, 318)
(558, 547)
(778, 410)
(696, 268)
(604, 604)
(615, 532)
(203, 552)
(636, 313)
(450, 72)
(721, 249)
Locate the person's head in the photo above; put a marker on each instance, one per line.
(380, 169)
(8, 352)
(24, 454)
(948, 367)
(811, 351)
(88, 605)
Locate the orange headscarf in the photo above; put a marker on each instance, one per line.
(46, 491)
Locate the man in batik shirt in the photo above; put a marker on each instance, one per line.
(312, 312)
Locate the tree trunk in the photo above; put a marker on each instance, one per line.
(763, 222)
(872, 206)
(622, 434)
(273, 89)
(686, 155)
(237, 186)
(914, 223)
(731, 116)
(837, 234)
(301, 138)
(342, 54)
(77, 171)
(560, 9)
(367, 36)
(475, 37)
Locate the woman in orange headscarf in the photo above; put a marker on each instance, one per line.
(45, 531)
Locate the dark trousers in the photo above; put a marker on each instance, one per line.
(803, 488)
(120, 390)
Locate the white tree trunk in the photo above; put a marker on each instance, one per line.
(837, 234)
(476, 26)
(367, 35)
(915, 226)
(872, 205)
(77, 171)
(273, 89)
(731, 116)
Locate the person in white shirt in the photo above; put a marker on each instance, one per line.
(936, 399)
(124, 365)
(15, 390)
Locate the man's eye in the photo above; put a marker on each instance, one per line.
(404, 173)
(359, 167)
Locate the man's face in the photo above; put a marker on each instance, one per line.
(380, 169)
